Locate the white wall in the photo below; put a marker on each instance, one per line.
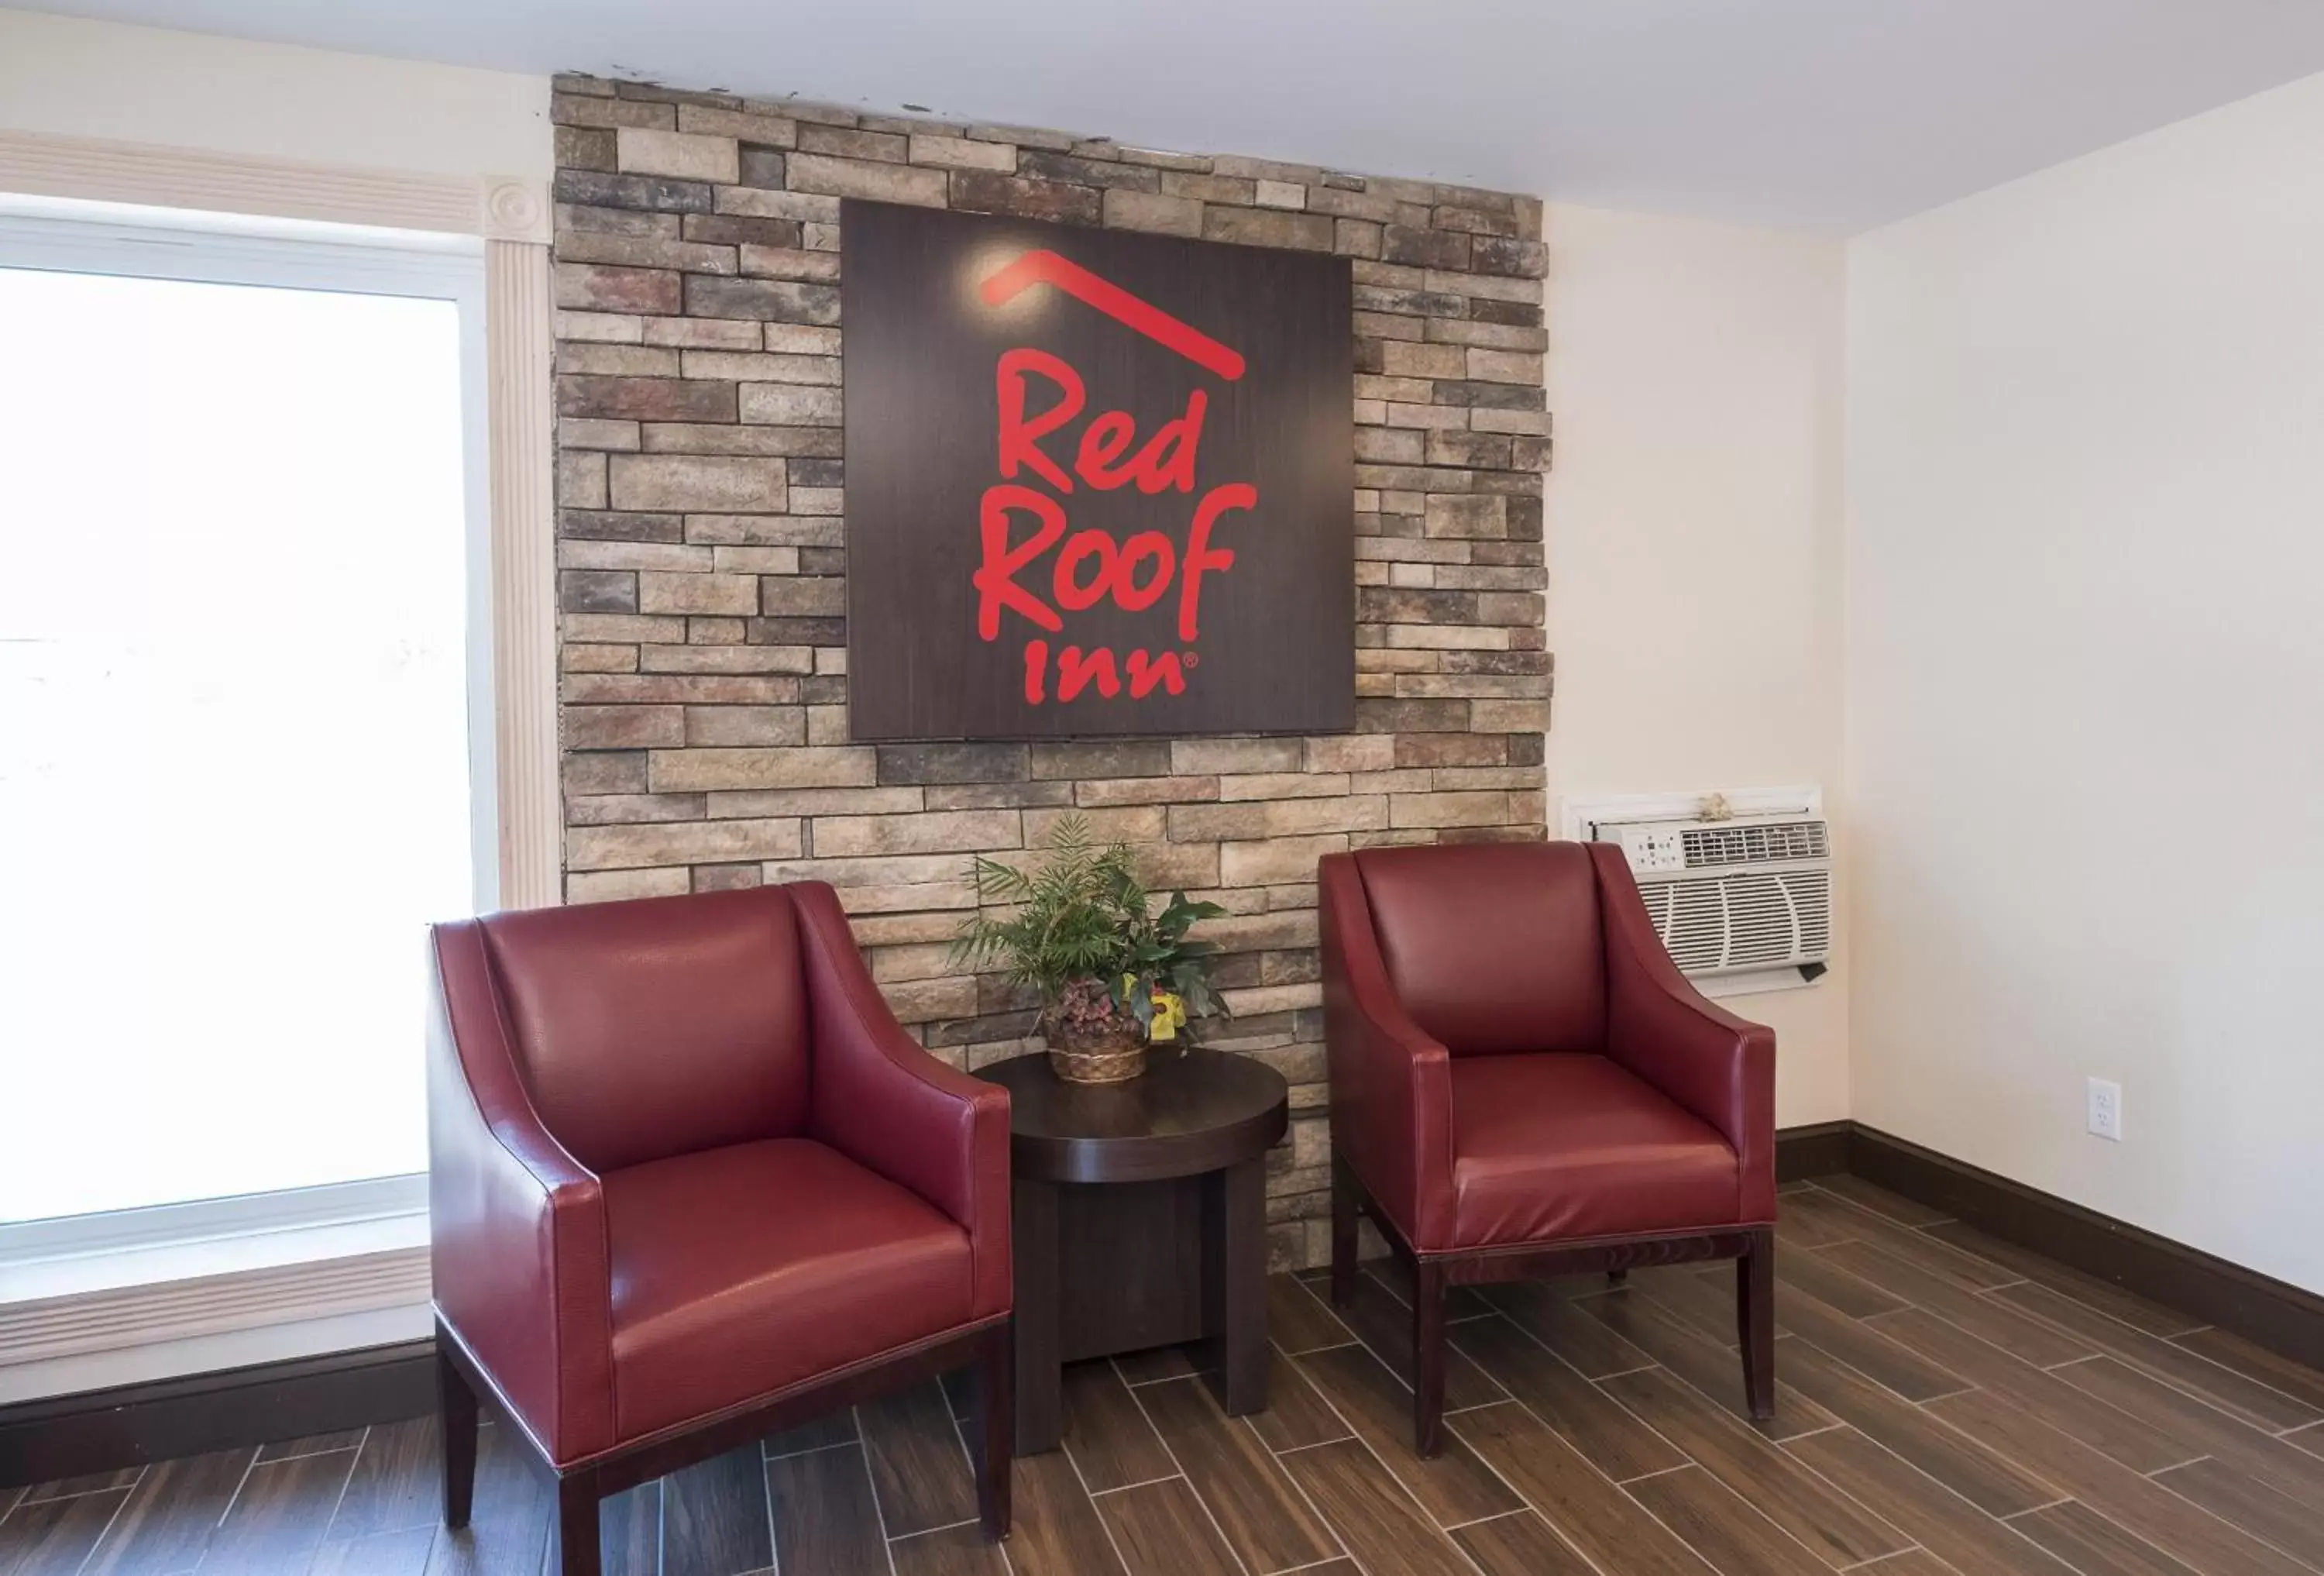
(1693, 524)
(65, 77)
(2086, 709)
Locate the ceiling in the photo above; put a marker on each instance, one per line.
(1829, 114)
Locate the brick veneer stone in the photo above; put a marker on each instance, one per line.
(702, 556)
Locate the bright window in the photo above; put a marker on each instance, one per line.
(238, 584)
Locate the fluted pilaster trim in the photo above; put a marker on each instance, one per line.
(518, 352)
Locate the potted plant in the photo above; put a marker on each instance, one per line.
(1113, 976)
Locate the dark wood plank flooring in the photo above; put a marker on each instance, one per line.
(1949, 1405)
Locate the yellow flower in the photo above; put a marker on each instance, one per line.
(1169, 1011)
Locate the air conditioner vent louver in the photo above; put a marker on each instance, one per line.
(1740, 896)
(1810, 897)
(1695, 922)
(1753, 844)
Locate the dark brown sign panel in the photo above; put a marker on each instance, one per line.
(1097, 482)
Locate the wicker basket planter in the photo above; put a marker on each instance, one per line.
(1114, 1053)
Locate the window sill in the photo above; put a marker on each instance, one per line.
(148, 1278)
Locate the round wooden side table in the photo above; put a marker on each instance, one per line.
(1140, 1220)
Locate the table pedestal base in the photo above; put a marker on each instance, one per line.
(1109, 1267)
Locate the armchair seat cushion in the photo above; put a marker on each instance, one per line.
(741, 1270)
(1563, 1145)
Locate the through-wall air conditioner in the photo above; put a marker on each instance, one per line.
(1739, 884)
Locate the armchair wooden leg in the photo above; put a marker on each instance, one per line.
(455, 1406)
(1755, 1320)
(996, 1404)
(577, 1551)
(1427, 1358)
(1344, 1233)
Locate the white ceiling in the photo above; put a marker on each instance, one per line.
(1833, 114)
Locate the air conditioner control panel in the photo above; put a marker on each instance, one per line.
(1649, 847)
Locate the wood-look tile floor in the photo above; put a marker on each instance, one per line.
(1949, 1403)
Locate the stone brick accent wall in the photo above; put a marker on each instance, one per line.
(702, 557)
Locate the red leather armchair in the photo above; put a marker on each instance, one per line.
(1524, 1084)
(690, 1184)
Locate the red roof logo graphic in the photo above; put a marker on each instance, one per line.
(1046, 267)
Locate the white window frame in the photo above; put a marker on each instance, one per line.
(311, 1257)
(338, 1299)
(340, 259)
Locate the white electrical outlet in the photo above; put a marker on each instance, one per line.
(2106, 1108)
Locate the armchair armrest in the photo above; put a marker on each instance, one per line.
(1719, 1066)
(1391, 1083)
(883, 1102)
(517, 1226)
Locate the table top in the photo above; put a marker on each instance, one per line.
(1192, 1110)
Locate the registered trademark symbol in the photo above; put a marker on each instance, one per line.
(1190, 659)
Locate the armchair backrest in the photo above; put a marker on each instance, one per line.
(1492, 947)
(657, 1027)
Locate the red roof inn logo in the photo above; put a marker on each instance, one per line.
(1159, 527)
(1090, 566)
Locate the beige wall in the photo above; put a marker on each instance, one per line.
(65, 77)
(1694, 533)
(2087, 674)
